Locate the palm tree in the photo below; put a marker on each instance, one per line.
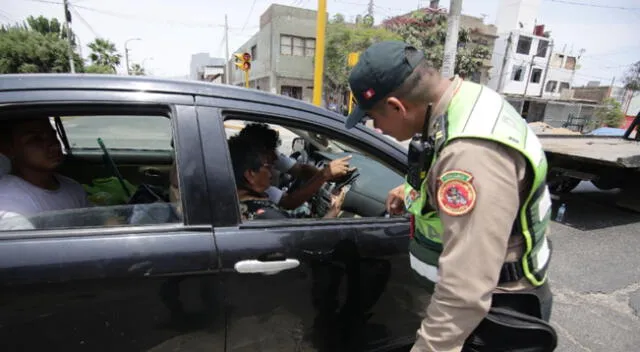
(104, 53)
(137, 70)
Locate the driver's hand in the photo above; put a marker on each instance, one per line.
(395, 201)
(336, 203)
(337, 168)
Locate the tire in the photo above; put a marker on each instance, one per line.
(605, 184)
(563, 184)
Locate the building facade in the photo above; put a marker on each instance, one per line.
(525, 62)
(480, 33)
(282, 53)
(206, 68)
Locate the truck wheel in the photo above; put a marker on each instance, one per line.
(563, 184)
(605, 184)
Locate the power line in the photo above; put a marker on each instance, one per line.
(595, 5)
(85, 22)
(249, 14)
(48, 2)
(152, 19)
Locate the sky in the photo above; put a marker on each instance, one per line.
(170, 31)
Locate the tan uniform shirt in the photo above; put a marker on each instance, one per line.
(475, 244)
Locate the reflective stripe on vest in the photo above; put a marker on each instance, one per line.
(479, 112)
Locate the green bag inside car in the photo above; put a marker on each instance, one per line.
(108, 191)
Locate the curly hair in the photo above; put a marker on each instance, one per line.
(261, 134)
(245, 155)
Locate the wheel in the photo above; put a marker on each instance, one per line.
(563, 184)
(605, 184)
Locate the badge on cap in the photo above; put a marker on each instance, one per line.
(369, 93)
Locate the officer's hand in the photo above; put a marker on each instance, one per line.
(395, 201)
(337, 168)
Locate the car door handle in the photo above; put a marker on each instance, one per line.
(253, 266)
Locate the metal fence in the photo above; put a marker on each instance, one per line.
(578, 117)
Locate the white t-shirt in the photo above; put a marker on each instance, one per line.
(21, 197)
(282, 164)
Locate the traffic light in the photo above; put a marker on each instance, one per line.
(243, 61)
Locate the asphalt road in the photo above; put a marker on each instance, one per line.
(595, 272)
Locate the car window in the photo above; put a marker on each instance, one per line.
(118, 132)
(365, 197)
(94, 186)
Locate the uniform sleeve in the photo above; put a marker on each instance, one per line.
(475, 186)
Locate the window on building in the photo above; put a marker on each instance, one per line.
(551, 86)
(543, 45)
(518, 73)
(291, 91)
(536, 75)
(563, 86)
(524, 45)
(286, 45)
(297, 46)
(309, 47)
(254, 52)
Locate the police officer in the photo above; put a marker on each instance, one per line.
(478, 200)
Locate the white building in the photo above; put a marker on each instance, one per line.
(206, 68)
(524, 62)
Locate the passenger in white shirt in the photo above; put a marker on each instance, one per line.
(34, 186)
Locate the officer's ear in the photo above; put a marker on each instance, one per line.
(396, 106)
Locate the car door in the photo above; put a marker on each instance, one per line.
(96, 286)
(316, 285)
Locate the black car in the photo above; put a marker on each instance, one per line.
(91, 279)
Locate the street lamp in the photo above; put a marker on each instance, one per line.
(126, 54)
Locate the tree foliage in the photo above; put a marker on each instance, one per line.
(426, 29)
(37, 46)
(104, 53)
(609, 114)
(137, 70)
(343, 38)
(631, 78)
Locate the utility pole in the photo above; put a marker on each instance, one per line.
(321, 22)
(227, 66)
(505, 58)
(546, 70)
(451, 43)
(126, 54)
(370, 8)
(67, 16)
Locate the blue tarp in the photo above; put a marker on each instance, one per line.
(607, 131)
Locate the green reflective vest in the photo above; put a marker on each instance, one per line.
(479, 112)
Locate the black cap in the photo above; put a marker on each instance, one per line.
(381, 69)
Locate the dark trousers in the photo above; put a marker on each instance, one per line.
(517, 322)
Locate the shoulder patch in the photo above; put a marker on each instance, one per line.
(456, 194)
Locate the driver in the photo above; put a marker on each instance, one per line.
(252, 172)
(262, 135)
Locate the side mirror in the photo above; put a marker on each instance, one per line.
(298, 145)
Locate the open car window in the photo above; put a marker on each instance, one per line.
(118, 132)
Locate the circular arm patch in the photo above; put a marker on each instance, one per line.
(456, 195)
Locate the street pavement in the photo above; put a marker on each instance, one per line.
(595, 271)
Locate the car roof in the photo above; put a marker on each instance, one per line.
(103, 82)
